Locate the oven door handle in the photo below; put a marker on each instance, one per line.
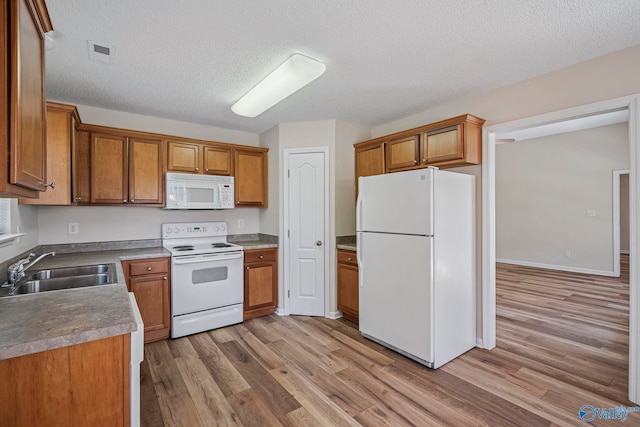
(205, 258)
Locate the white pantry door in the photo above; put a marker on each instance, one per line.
(307, 210)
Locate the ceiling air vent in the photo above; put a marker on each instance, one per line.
(101, 52)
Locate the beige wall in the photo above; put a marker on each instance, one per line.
(624, 213)
(120, 119)
(269, 220)
(609, 76)
(345, 197)
(339, 138)
(114, 223)
(544, 188)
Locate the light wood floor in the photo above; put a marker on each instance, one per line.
(562, 343)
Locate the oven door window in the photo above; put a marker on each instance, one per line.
(209, 275)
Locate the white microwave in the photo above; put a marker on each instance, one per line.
(191, 191)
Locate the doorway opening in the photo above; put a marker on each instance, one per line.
(632, 105)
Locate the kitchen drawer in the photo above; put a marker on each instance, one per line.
(348, 257)
(260, 255)
(152, 266)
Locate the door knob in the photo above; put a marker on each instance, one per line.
(319, 243)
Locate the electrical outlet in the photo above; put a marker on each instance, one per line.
(567, 254)
(241, 223)
(73, 228)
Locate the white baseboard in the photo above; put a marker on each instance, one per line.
(281, 312)
(479, 342)
(334, 315)
(557, 267)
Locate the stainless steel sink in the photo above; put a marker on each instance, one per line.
(58, 283)
(56, 279)
(82, 270)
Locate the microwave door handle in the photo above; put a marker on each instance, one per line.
(205, 258)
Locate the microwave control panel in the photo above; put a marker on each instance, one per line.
(226, 195)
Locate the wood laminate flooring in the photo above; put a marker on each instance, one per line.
(562, 344)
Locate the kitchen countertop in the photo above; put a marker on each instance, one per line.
(48, 320)
(254, 241)
(348, 243)
(347, 246)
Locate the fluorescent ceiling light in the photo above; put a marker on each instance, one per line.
(295, 73)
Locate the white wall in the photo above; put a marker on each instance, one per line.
(24, 218)
(544, 188)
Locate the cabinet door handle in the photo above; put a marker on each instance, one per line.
(261, 257)
(51, 184)
(164, 277)
(424, 160)
(196, 168)
(247, 268)
(415, 162)
(124, 200)
(148, 268)
(206, 170)
(78, 198)
(132, 200)
(349, 259)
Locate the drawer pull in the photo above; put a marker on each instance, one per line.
(148, 268)
(261, 257)
(349, 259)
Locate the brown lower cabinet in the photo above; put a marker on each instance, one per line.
(80, 385)
(150, 281)
(348, 296)
(260, 282)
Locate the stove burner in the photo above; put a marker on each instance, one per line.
(183, 248)
(220, 245)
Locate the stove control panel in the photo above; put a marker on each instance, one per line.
(181, 230)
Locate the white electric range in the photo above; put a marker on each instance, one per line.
(207, 281)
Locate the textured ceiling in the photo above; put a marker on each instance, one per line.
(191, 60)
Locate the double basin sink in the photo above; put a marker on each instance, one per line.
(55, 279)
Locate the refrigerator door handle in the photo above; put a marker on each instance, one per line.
(359, 259)
(358, 211)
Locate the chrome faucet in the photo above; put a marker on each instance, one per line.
(16, 270)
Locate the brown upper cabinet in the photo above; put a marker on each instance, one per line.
(251, 172)
(126, 170)
(61, 133)
(22, 98)
(403, 153)
(193, 157)
(446, 144)
(369, 159)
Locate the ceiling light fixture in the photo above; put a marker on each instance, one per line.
(295, 73)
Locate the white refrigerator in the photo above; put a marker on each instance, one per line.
(416, 258)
